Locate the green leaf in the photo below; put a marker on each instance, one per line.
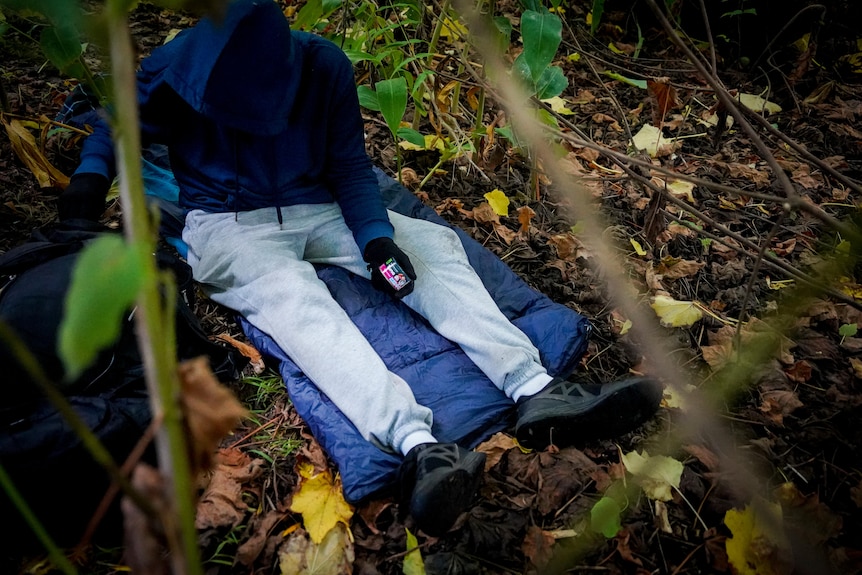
(541, 33)
(848, 330)
(413, 564)
(631, 81)
(392, 97)
(368, 98)
(597, 11)
(551, 83)
(61, 46)
(605, 517)
(412, 136)
(105, 282)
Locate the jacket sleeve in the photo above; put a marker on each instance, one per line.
(349, 173)
(97, 153)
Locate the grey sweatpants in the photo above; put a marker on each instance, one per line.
(250, 263)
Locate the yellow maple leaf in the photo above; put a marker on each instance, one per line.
(655, 474)
(673, 313)
(321, 503)
(498, 201)
(759, 545)
(453, 29)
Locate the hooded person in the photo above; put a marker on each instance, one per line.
(266, 142)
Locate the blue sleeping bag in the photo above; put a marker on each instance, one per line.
(467, 407)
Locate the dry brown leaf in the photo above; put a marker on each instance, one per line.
(525, 216)
(27, 150)
(567, 245)
(485, 214)
(704, 455)
(210, 410)
(221, 505)
(144, 548)
(664, 97)
(260, 530)
(799, 372)
(494, 448)
(674, 269)
(370, 511)
(779, 403)
(538, 547)
(249, 351)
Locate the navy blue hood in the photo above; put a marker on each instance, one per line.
(239, 71)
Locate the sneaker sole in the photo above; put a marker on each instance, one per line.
(446, 499)
(613, 415)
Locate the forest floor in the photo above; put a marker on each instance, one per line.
(793, 424)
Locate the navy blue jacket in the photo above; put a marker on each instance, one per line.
(255, 115)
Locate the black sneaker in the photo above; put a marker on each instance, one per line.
(439, 481)
(565, 412)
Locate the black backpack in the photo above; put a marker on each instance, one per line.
(43, 456)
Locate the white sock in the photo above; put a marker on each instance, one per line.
(532, 386)
(415, 438)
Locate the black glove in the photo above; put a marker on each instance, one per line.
(378, 254)
(84, 197)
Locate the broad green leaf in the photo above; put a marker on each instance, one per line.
(413, 564)
(61, 46)
(848, 330)
(368, 98)
(392, 97)
(551, 83)
(655, 474)
(498, 201)
(605, 517)
(412, 136)
(673, 313)
(105, 282)
(541, 33)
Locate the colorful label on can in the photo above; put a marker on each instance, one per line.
(394, 274)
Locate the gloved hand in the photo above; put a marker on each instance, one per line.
(84, 197)
(382, 252)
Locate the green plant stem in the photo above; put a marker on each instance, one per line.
(159, 360)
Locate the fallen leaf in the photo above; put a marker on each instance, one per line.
(498, 201)
(650, 139)
(538, 547)
(664, 96)
(334, 555)
(210, 410)
(484, 213)
(495, 447)
(321, 502)
(674, 269)
(655, 474)
(704, 455)
(221, 504)
(758, 104)
(27, 150)
(558, 105)
(254, 356)
(525, 216)
(779, 403)
(412, 564)
(661, 517)
(673, 313)
(758, 545)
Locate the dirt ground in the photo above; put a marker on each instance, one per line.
(792, 421)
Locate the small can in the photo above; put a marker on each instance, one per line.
(394, 274)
